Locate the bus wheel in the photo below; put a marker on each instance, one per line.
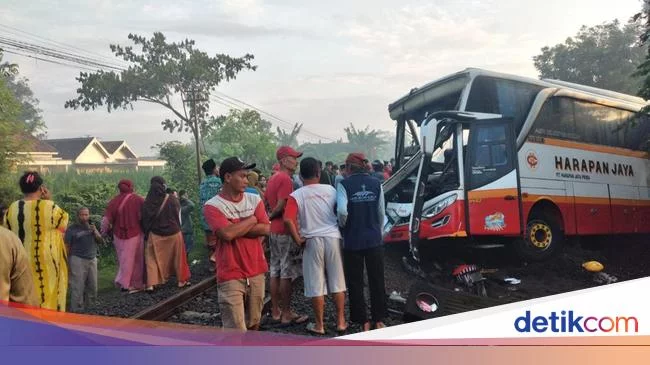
(542, 239)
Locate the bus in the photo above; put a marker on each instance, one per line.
(492, 158)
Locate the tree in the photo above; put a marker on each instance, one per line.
(178, 172)
(288, 139)
(604, 56)
(245, 134)
(30, 114)
(369, 141)
(160, 73)
(10, 127)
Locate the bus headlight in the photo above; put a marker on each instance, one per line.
(439, 207)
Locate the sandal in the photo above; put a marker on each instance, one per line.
(341, 331)
(311, 328)
(184, 284)
(296, 319)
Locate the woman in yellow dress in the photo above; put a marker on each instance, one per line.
(40, 225)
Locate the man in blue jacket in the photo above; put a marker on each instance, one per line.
(360, 210)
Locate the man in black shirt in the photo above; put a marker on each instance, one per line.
(81, 240)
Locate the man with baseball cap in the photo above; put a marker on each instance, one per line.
(209, 187)
(360, 210)
(285, 258)
(239, 221)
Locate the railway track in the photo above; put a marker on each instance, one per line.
(166, 308)
(161, 311)
(451, 302)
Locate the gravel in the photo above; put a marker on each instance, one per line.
(625, 258)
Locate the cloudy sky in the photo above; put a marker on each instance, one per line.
(322, 63)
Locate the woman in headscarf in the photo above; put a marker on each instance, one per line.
(122, 217)
(40, 225)
(164, 248)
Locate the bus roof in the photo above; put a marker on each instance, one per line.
(577, 90)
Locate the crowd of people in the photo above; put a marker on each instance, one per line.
(323, 223)
(56, 257)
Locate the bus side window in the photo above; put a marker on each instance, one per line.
(511, 99)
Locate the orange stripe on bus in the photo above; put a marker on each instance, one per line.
(585, 200)
(558, 199)
(594, 148)
(492, 193)
(636, 202)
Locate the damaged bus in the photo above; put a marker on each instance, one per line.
(491, 158)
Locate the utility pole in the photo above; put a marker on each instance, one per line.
(192, 99)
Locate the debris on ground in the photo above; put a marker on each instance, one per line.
(397, 297)
(512, 281)
(471, 278)
(593, 266)
(605, 278)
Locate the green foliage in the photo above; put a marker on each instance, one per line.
(285, 138)
(10, 127)
(335, 152)
(369, 141)
(244, 134)
(30, 114)
(178, 172)
(159, 73)
(603, 56)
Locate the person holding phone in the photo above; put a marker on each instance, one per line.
(81, 239)
(40, 224)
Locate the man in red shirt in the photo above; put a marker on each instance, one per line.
(239, 221)
(285, 258)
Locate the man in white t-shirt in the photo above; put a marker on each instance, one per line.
(312, 207)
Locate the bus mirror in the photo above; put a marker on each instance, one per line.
(428, 133)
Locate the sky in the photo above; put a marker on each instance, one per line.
(325, 64)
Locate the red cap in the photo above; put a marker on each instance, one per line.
(285, 151)
(356, 158)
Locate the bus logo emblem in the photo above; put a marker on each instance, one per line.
(532, 160)
(495, 222)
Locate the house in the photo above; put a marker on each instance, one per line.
(40, 156)
(85, 154)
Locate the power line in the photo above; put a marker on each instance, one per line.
(48, 41)
(19, 47)
(54, 53)
(280, 120)
(47, 60)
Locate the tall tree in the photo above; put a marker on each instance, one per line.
(10, 127)
(604, 56)
(245, 134)
(285, 138)
(30, 113)
(171, 75)
(369, 141)
(643, 70)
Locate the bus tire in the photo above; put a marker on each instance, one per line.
(543, 238)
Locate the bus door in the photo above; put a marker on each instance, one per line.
(493, 204)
